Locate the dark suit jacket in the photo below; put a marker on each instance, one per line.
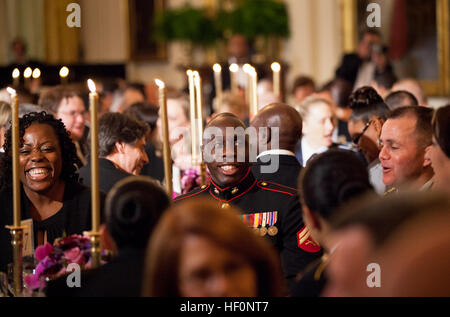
(287, 173)
(155, 166)
(349, 67)
(108, 174)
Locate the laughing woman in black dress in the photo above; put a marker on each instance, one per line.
(50, 193)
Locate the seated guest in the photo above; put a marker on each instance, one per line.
(392, 246)
(5, 114)
(50, 193)
(303, 87)
(232, 103)
(68, 105)
(367, 119)
(148, 113)
(400, 98)
(414, 87)
(132, 209)
(275, 207)
(384, 76)
(340, 91)
(121, 150)
(439, 152)
(329, 180)
(405, 136)
(318, 126)
(133, 93)
(178, 117)
(192, 253)
(276, 162)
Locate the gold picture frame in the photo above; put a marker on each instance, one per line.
(439, 87)
(141, 16)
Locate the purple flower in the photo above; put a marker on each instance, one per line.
(34, 281)
(42, 251)
(75, 255)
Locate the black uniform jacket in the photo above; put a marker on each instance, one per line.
(73, 218)
(312, 281)
(274, 205)
(109, 175)
(287, 173)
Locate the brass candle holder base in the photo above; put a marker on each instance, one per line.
(17, 244)
(95, 249)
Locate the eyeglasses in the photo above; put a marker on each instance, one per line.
(74, 113)
(358, 137)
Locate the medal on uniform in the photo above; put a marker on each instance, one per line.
(272, 231)
(225, 205)
(263, 229)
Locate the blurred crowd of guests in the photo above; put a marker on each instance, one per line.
(362, 177)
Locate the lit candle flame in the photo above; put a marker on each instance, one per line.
(234, 68)
(189, 72)
(91, 86)
(217, 68)
(160, 83)
(36, 73)
(248, 68)
(64, 72)
(11, 91)
(196, 78)
(276, 67)
(16, 73)
(28, 72)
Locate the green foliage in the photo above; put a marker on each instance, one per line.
(185, 24)
(259, 18)
(251, 17)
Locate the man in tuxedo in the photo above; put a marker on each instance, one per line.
(278, 151)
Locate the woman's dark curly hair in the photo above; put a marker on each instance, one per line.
(70, 160)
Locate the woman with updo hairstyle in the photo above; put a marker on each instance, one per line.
(439, 151)
(369, 113)
(201, 250)
(330, 180)
(50, 193)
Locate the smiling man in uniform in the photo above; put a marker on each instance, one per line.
(272, 210)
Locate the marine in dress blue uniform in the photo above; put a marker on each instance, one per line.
(271, 209)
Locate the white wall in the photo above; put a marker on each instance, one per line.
(314, 48)
(104, 31)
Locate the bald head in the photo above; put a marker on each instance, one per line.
(225, 119)
(284, 117)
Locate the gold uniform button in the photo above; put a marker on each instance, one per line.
(263, 184)
(234, 190)
(225, 205)
(203, 187)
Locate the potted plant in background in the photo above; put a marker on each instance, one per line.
(263, 22)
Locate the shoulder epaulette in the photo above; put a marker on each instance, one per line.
(275, 187)
(193, 193)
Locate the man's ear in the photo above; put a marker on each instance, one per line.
(378, 125)
(120, 147)
(426, 159)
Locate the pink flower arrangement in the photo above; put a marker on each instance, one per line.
(53, 259)
(191, 179)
